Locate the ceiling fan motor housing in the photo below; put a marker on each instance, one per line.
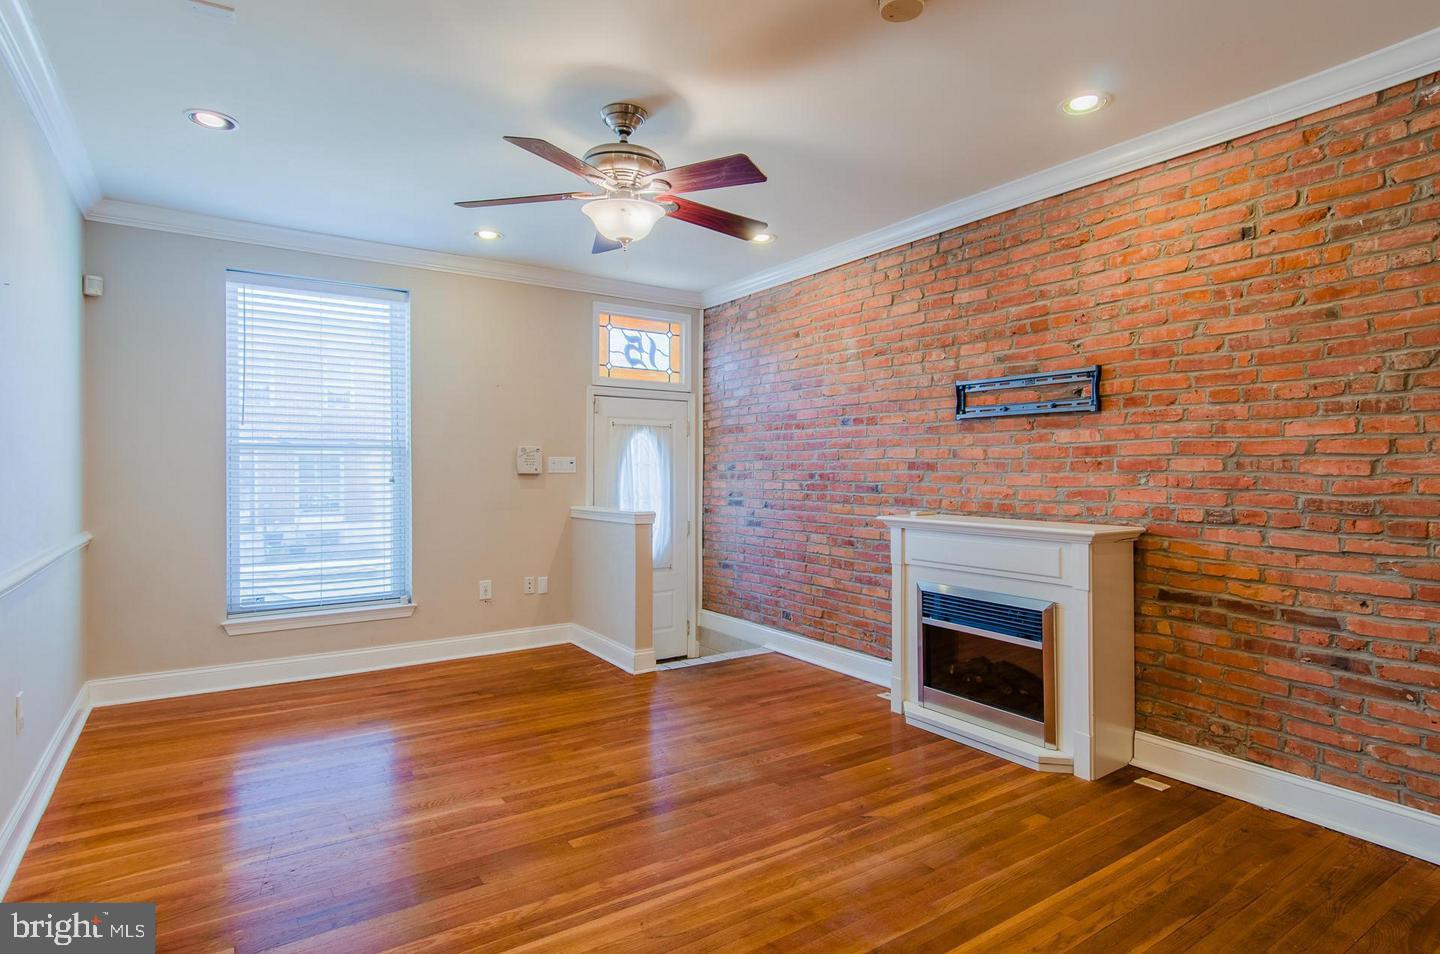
(625, 162)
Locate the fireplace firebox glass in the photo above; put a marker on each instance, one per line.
(988, 656)
(998, 674)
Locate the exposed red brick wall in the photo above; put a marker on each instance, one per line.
(1267, 314)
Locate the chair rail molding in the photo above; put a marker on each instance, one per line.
(18, 576)
(24, 55)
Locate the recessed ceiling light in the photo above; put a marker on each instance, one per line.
(763, 238)
(1085, 103)
(211, 119)
(488, 235)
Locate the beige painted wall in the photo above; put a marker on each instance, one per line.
(613, 589)
(494, 364)
(40, 442)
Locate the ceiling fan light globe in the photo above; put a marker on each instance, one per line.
(623, 220)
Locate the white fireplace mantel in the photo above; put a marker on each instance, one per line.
(1086, 571)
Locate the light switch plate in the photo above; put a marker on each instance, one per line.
(562, 465)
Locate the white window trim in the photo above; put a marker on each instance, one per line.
(334, 614)
(687, 366)
(306, 619)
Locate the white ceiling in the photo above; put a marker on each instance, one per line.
(368, 118)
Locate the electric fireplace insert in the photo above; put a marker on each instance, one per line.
(989, 657)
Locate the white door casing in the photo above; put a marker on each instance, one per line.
(641, 460)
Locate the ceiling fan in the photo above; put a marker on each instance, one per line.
(638, 190)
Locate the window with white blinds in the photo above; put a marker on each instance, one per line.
(317, 444)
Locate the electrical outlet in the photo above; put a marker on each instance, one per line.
(486, 591)
(529, 584)
(19, 711)
(542, 584)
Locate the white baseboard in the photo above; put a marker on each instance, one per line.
(612, 652)
(117, 690)
(1408, 830)
(846, 661)
(1404, 829)
(1395, 826)
(268, 672)
(25, 815)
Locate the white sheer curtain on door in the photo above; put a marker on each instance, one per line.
(643, 478)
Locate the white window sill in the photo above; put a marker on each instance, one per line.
(305, 619)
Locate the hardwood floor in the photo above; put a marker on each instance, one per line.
(546, 801)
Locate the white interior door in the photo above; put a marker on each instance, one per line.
(642, 461)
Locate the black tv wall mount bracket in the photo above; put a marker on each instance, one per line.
(1081, 401)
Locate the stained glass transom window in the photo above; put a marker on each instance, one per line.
(640, 349)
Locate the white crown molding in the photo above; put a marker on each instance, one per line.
(24, 55)
(1385, 823)
(139, 216)
(1405, 60)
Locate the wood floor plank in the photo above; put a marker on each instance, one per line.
(544, 801)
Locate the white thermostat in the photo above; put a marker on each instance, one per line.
(527, 459)
(561, 465)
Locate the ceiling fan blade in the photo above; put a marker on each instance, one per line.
(523, 199)
(733, 170)
(710, 217)
(602, 244)
(553, 153)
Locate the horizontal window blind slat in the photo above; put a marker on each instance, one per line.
(317, 455)
(283, 285)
